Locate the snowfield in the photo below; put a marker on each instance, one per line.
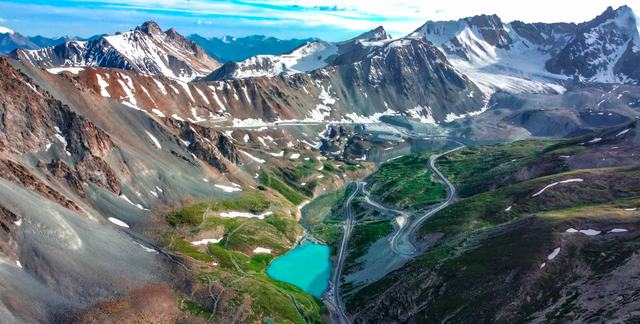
(228, 189)
(234, 214)
(553, 254)
(118, 222)
(261, 250)
(206, 241)
(555, 184)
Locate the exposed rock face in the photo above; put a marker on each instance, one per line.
(206, 144)
(409, 72)
(147, 50)
(63, 171)
(548, 38)
(90, 169)
(7, 222)
(19, 174)
(84, 136)
(33, 120)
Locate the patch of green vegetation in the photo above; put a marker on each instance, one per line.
(329, 167)
(486, 266)
(274, 183)
(407, 182)
(603, 258)
(194, 308)
(222, 256)
(281, 302)
(293, 177)
(478, 169)
(475, 168)
(252, 201)
(321, 208)
(329, 234)
(358, 207)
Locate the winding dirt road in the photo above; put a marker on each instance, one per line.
(403, 242)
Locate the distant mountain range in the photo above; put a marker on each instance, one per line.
(10, 40)
(478, 56)
(230, 48)
(42, 41)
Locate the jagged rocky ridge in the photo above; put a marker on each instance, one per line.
(605, 49)
(405, 76)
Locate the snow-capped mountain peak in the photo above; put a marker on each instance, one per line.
(5, 30)
(150, 28)
(495, 55)
(228, 39)
(605, 49)
(376, 34)
(146, 49)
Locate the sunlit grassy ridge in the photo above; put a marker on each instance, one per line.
(407, 182)
(477, 169)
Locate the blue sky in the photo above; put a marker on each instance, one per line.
(326, 19)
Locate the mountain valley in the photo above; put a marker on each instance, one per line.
(472, 171)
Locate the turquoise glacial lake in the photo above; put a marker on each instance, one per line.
(306, 266)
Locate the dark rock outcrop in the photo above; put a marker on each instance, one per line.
(205, 143)
(19, 174)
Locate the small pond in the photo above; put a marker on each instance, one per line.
(306, 266)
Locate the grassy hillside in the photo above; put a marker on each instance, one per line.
(510, 251)
(231, 267)
(407, 182)
(489, 209)
(496, 275)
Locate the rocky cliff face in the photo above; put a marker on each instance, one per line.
(35, 121)
(206, 144)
